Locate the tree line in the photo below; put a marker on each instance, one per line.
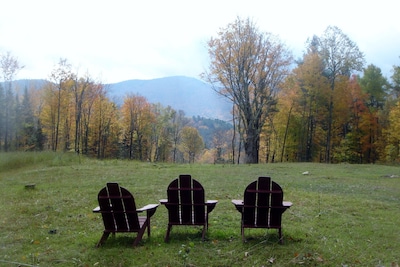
(324, 107)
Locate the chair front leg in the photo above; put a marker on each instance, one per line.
(242, 228)
(103, 238)
(148, 224)
(139, 235)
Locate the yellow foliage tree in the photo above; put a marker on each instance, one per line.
(191, 142)
(137, 120)
(393, 134)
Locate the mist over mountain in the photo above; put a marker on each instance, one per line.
(20, 85)
(193, 96)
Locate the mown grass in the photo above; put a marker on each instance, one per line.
(342, 215)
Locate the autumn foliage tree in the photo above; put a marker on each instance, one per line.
(309, 107)
(353, 131)
(76, 114)
(340, 56)
(392, 150)
(247, 67)
(57, 116)
(191, 143)
(376, 88)
(315, 100)
(137, 119)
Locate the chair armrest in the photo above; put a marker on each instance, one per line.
(163, 201)
(287, 204)
(211, 205)
(238, 204)
(97, 209)
(211, 202)
(150, 209)
(147, 207)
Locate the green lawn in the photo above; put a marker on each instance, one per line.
(342, 215)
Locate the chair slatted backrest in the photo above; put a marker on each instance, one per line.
(118, 209)
(186, 201)
(263, 204)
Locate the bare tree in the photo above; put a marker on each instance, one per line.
(247, 67)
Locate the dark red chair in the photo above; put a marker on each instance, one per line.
(186, 204)
(118, 209)
(262, 206)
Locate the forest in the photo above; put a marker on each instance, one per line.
(320, 110)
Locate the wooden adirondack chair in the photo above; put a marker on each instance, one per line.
(118, 209)
(186, 204)
(262, 206)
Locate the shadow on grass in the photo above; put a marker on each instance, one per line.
(182, 234)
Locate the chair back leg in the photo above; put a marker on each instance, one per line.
(203, 235)
(167, 235)
(280, 236)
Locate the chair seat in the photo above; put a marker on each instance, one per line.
(142, 221)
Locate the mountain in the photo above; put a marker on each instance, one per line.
(191, 95)
(20, 85)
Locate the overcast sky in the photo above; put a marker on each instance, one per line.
(130, 39)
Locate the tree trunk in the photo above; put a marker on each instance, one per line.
(131, 145)
(234, 134)
(251, 146)
(329, 133)
(58, 116)
(286, 133)
(240, 142)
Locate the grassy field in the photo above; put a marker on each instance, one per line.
(342, 215)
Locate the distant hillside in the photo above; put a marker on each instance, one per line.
(191, 95)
